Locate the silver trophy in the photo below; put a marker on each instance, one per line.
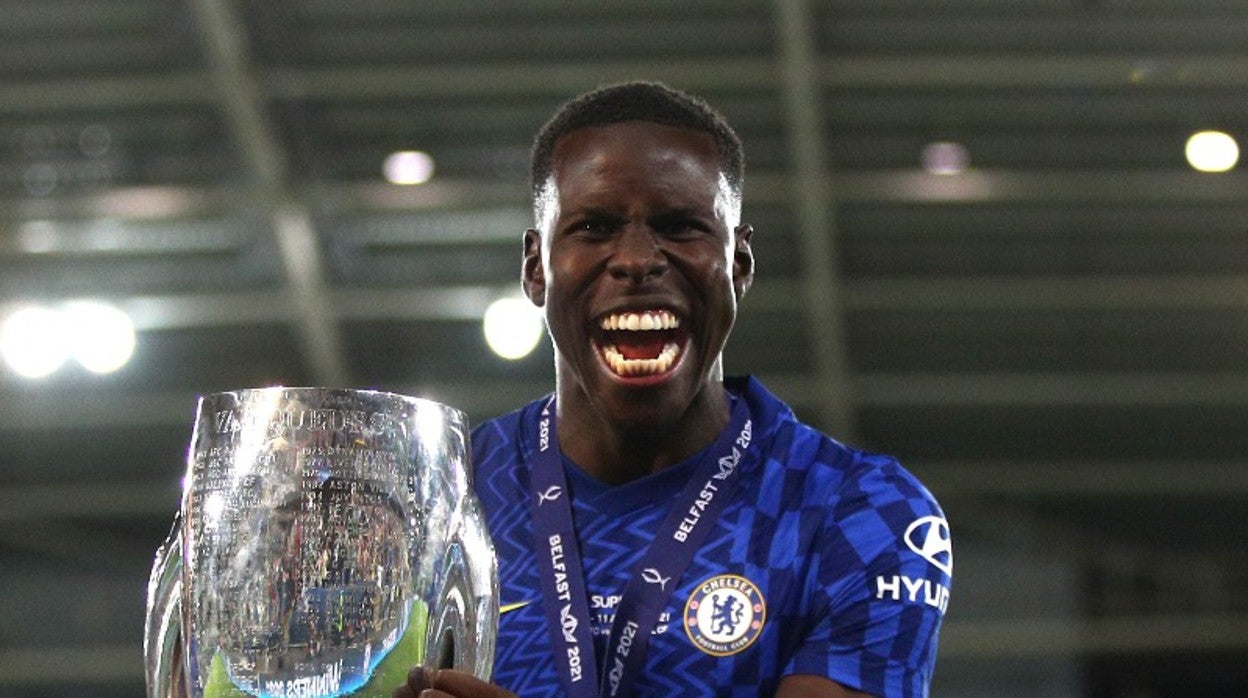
(328, 541)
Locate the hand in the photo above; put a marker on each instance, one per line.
(448, 683)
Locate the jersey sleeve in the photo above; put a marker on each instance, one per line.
(879, 583)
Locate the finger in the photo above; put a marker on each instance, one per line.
(417, 681)
(462, 683)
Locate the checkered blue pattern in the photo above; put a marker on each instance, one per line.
(818, 527)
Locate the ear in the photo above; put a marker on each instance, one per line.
(532, 274)
(742, 260)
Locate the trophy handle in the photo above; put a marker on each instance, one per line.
(463, 635)
(162, 636)
(482, 569)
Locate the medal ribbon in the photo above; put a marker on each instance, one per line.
(693, 514)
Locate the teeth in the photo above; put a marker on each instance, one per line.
(640, 322)
(640, 367)
(649, 320)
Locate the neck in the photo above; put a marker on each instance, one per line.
(617, 451)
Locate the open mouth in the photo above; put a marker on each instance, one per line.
(644, 343)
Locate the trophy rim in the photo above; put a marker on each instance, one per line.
(241, 394)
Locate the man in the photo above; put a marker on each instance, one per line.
(662, 531)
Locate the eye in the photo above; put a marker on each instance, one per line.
(680, 227)
(593, 227)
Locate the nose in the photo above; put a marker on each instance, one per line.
(637, 254)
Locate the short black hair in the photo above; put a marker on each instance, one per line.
(637, 101)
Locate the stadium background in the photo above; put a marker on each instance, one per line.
(1055, 339)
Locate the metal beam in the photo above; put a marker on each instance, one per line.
(315, 320)
(1052, 389)
(822, 291)
(94, 500)
(1013, 8)
(245, 109)
(174, 89)
(1173, 185)
(223, 309)
(322, 10)
(904, 72)
(937, 71)
(510, 79)
(1094, 478)
(559, 79)
(238, 93)
(36, 412)
(1051, 293)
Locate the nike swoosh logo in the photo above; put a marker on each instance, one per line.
(508, 608)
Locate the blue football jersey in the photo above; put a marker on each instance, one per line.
(827, 561)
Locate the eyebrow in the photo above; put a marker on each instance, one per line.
(591, 212)
(683, 211)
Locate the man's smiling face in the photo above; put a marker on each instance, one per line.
(640, 264)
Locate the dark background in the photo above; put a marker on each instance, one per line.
(1055, 340)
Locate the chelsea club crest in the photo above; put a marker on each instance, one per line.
(725, 614)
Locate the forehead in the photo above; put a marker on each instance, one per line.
(635, 150)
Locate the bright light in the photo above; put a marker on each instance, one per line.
(408, 167)
(37, 237)
(36, 341)
(945, 158)
(146, 202)
(102, 335)
(513, 327)
(32, 341)
(1212, 151)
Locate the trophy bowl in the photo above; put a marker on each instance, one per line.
(328, 540)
